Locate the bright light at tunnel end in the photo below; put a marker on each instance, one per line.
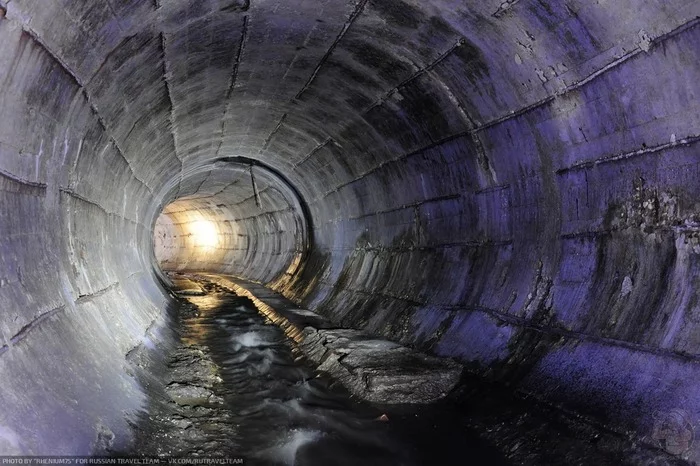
(205, 234)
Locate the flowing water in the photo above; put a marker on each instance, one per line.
(225, 383)
(272, 408)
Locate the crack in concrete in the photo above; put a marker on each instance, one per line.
(39, 187)
(86, 298)
(77, 196)
(166, 74)
(233, 80)
(24, 331)
(591, 77)
(313, 152)
(78, 82)
(272, 134)
(353, 16)
(387, 94)
(688, 141)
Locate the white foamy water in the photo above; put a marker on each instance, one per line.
(251, 339)
(260, 367)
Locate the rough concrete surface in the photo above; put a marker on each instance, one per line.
(373, 369)
(515, 185)
(378, 370)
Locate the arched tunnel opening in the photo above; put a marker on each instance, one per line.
(390, 231)
(233, 216)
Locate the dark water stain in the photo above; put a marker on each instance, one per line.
(235, 5)
(471, 62)
(378, 59)
(398, 13)
(345, 276)
(305, 279)
(350, 304)
(440, 27)
(424, 109)
(647, 264)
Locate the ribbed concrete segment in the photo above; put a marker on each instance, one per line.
(512, 184)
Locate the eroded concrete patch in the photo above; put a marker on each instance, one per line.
(375, 370)
(378, 370)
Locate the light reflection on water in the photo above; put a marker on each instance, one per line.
(285, 414)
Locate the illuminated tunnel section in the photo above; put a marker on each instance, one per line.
(512, 184)
(233, 217)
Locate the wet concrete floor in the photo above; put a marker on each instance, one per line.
(234, 386)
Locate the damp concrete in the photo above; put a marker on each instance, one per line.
(234, 383)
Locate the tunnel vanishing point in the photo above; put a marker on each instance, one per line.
(511, 184)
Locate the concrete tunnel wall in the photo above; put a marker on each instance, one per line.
(513, 184)
(233, 218)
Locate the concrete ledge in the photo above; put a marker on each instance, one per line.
(375, 370)
(186, 287)
(379, 371)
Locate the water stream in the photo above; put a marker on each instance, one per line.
(267, 406)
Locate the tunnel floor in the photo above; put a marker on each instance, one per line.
(235, 386)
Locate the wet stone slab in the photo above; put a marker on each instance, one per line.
(191, 364)
(378, 370)
(373, 369)
(185, 287)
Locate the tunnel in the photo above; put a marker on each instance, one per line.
(511, 185)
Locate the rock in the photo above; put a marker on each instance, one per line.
(194, 435)
(182, 423)
(184, 394)
(186, 287)
(378, 370)
(105, 439)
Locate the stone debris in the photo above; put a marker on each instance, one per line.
(373, 369)
(378, 370)
(185, 394)
(191, 365)
(182, 423)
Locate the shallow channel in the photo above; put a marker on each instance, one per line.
(242, 391)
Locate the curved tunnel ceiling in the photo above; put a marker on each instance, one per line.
(513, 184)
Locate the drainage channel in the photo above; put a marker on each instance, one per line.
(235, 386)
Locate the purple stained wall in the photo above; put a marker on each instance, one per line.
(512, 184)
